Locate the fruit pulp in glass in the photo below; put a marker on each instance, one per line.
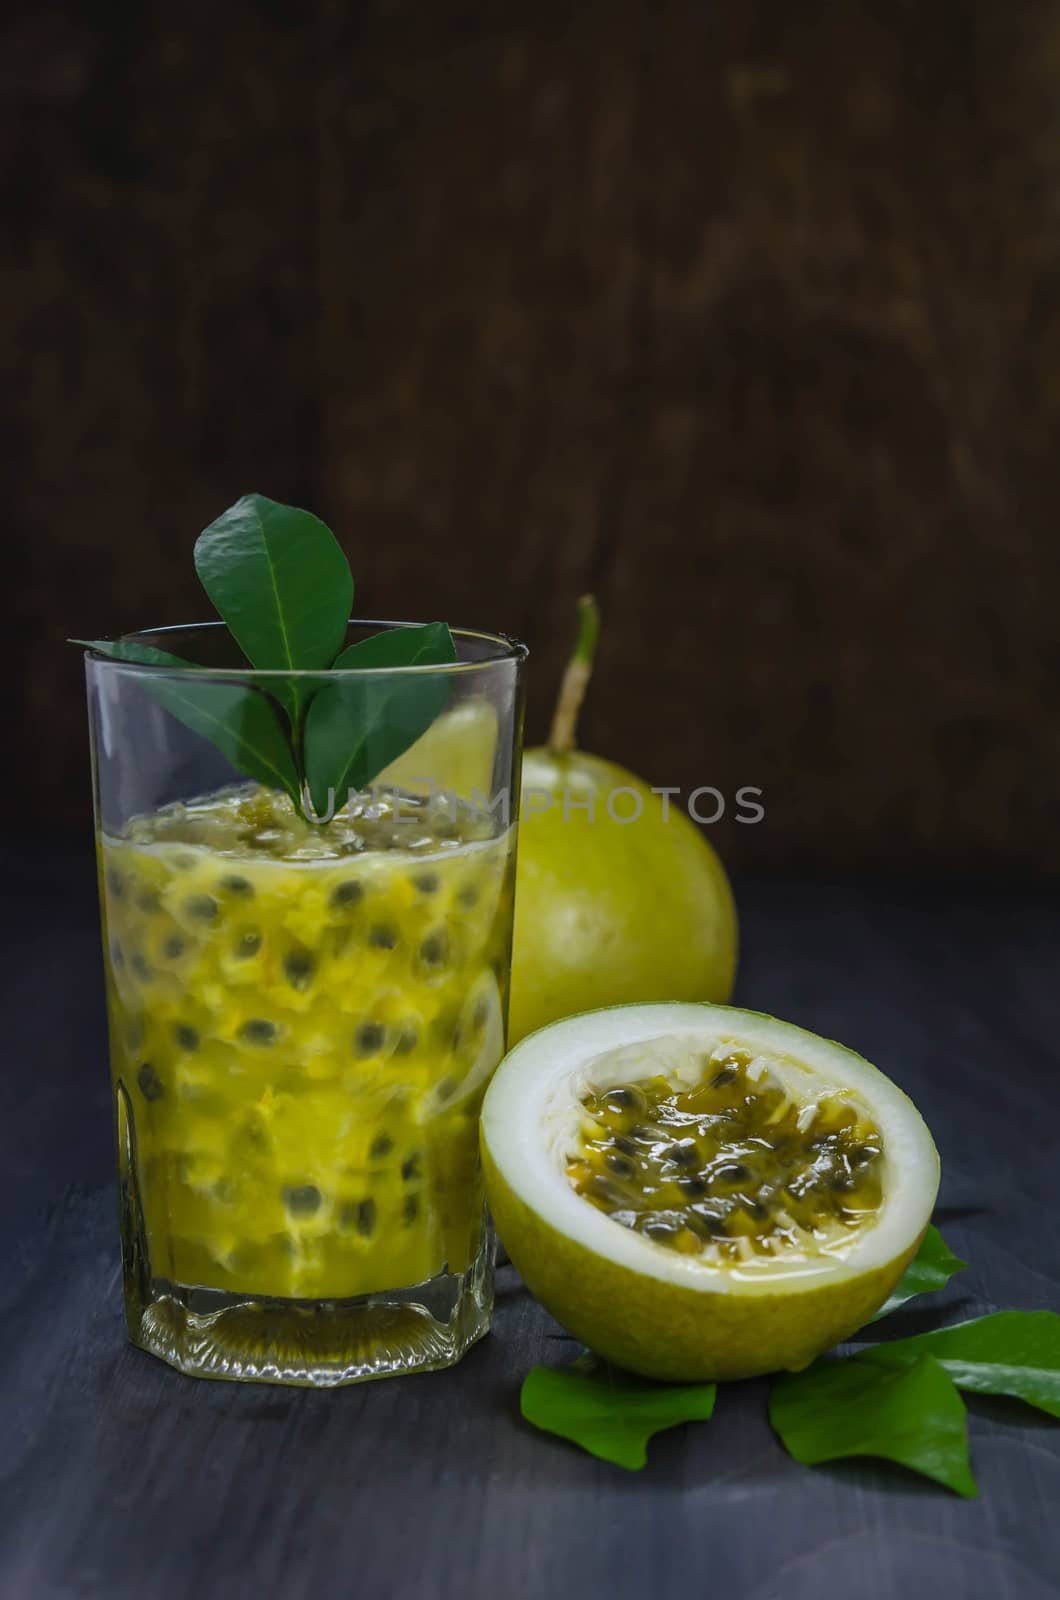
(303, 1021)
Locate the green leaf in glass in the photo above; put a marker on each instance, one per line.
(842, 1407)
(239, 721)
(1014, 1353)
(932, 1268)
(146, 654)
(609, 1413)
(356, 726)
(280, 580)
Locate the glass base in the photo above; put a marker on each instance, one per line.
(316, 1344)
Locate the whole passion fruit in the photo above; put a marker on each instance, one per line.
(619, 897)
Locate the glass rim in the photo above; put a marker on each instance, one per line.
(507, 647)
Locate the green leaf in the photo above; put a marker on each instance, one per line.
(426, 646)
(932, 1268)
(127, 650)
(1013, 1353)
(280, 580)
(239, 721)
(611, 1414)
(842, 1407)
(357, 725)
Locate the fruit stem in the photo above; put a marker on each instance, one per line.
(562, 736)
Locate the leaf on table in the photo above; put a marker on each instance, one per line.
(609, 1413)
(1014, 1353)
(279, 578)
(236, 719)
(358, 725)
(931, 1268)
(846, 1406)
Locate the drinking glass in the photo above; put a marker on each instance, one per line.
(304, 1012)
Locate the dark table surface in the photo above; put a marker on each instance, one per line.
(120, 1477)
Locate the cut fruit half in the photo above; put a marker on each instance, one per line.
(699, 1192)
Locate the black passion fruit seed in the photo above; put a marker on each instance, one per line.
(258, 1031)
(149, 1081)
(299, 966)
(235, 883)
(247, 945)
(203, 907)
(369, 1038)
(728, 1165)
(381, 1146)
(627, 1098)
(427, 882)
(607, 1195)
(187, 1038)
(663, 1229)
(731, 1172)
(383, 938)
(345, 895)
(434, 950)
(708, 1224)
(303, 1200)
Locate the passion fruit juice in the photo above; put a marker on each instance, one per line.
(303, 1021)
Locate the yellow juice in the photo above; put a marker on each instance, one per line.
(303, 1021)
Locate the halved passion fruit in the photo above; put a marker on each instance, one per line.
(698, 1192)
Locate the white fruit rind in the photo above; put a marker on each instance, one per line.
(533, 1107)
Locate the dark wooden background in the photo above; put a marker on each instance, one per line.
(745, 314)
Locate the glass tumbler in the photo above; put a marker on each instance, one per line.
(305, 1008)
